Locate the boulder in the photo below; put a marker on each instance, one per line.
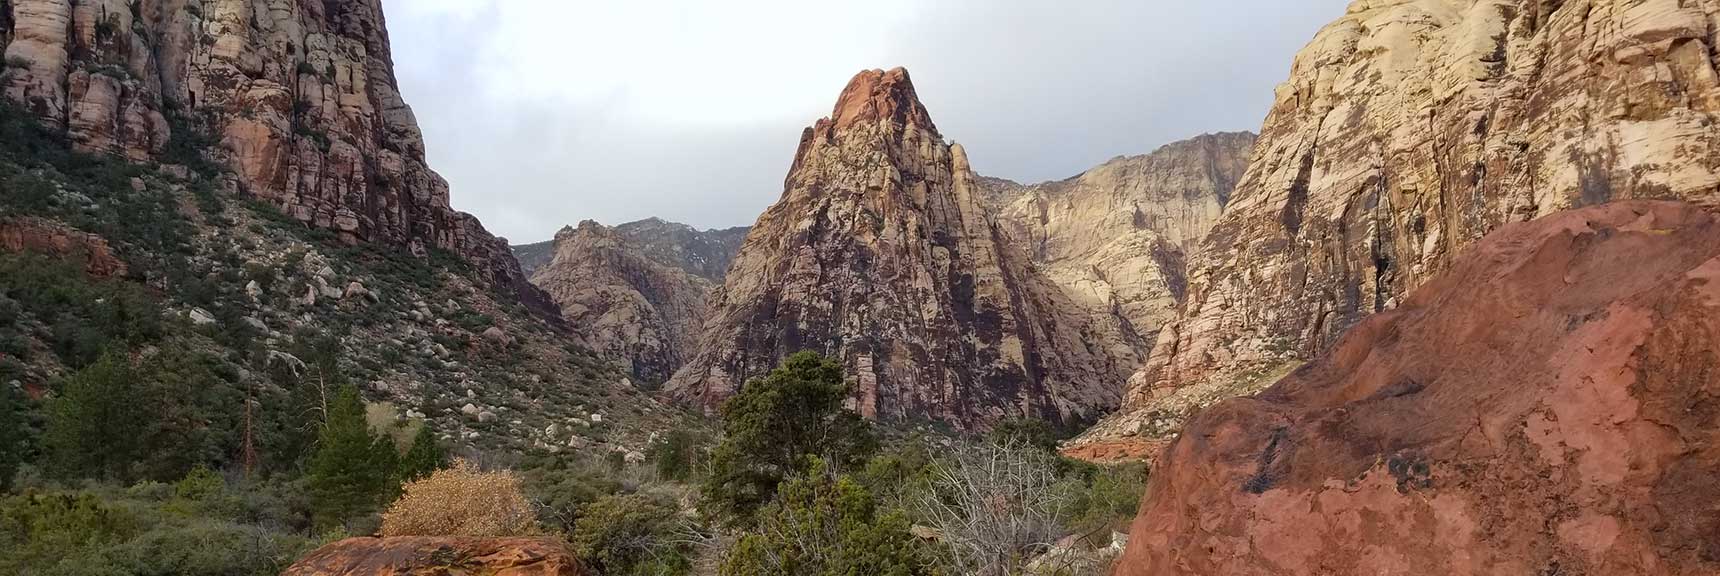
(431, 556)
(201, 317)
(1546, 406)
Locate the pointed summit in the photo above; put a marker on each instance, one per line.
(877, 94)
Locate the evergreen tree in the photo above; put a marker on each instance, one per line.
(424, 457)
(775, 426)
(94, 422)
(352, 472)
(12, 433)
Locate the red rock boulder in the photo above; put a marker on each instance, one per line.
(1549, 406)
(424, 556)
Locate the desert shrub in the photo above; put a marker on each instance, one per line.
(632, 534)
(997, 505)
(827, 525)
(461, 501)
(1107, 497)
(563, 488)
(677, 456)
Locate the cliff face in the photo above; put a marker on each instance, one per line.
(637, 292)
(300, 95)
(881, 253)
(1407, 131)
(1546, 406)
(1117, 237)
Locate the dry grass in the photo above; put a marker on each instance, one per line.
(462, 501)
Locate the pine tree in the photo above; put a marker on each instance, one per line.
(352, 472)
(424, 457)
(94, 421)
(775, 426)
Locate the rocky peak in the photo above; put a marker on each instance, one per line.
(881, 254)
(877, 94)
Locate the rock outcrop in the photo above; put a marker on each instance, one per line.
(300, 96)
(881, 253)
(1545, 406)
(424, 556)
(1408, 130)
(637, 292)
(51, 238)
(1117, 237)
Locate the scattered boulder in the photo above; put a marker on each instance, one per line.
(253, 290)
(356, 290)
(487, 417)
(1546, 406)
(470, 410)
(497, 335)
(201, 317)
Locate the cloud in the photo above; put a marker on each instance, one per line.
(542, 113)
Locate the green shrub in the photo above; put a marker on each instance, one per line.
(631, 534)
(827, 525)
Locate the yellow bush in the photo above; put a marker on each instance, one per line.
(461, 501)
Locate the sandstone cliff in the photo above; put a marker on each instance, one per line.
(1546, 406)
(637, 292)
(1406, 131)
(1117, 237)
(881, 253)
(301, 97)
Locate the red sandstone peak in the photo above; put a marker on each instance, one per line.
(877, 94)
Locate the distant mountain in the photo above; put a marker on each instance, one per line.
(635, 292)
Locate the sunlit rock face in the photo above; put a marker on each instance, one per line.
(299, 97)
(1544, 406)
(883, 253)
(1407, 131)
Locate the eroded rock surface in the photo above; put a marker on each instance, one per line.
(1117, 237)
(882, 253)
(60, 241)
(637, 292)
(425, 556)
(1545, 406)
(1408, 130)
(301, 97)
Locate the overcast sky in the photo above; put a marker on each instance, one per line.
(542, 113)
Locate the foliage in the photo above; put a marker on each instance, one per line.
(461, 501)
(147, 530)
(13, 432)
(1026, 432)
(824, 524)
(775, 426)
(563, 488)
(632, 534)
(85, 316)
(677, 456)
(424, 457)
(93, 422)
(157, 419)
(1108, 497)
(352, 472)
(998, 505)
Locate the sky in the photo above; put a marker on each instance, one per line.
(543, 113)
